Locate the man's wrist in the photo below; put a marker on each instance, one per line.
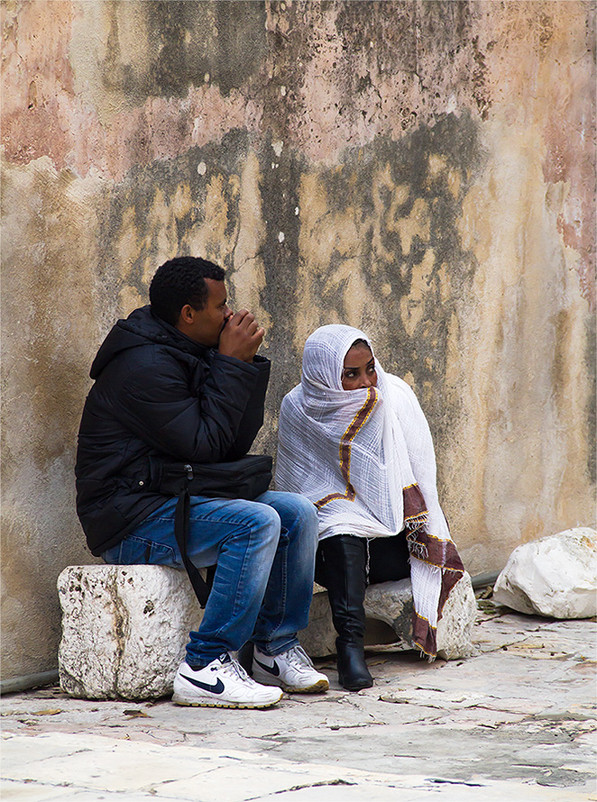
(235, 360)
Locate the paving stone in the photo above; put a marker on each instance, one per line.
(555, 576)
(31, 792)
(270, 777)
(111, 765)
(518, 726)
(391, 604)
(124, 629)
(135, 771)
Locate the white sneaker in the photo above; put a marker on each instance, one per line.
(221, 683)
(291, 670)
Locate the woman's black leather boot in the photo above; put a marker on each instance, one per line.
(342, 569)
(352, 668)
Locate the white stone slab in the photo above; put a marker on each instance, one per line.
(113, 768)
(555, 576)
(31, 792)
(124, 629)
(391, 603)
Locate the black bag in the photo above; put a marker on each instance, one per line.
(247, 477)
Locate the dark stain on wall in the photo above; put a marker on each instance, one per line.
(427, 40)
(387, 31)
(453, 140)
(225, 41)
(422, 352)
(407, 36)
(280, 200)
(135, 197)
(563, 324)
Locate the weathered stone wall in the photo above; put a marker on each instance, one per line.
(422, 170)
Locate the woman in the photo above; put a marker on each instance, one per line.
(354, 440)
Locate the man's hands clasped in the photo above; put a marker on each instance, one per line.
(241, 336)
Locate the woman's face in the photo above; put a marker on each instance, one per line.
(359, 368)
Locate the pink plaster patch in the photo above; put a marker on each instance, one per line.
(43, 116)
(570, 158)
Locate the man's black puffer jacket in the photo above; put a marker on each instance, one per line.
(157, 393)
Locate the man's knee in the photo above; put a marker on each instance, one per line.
(269, 519)
(302, 505)
(297, 512)
(264, 520)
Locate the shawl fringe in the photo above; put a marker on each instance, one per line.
(443, 554)
(417, 522)
(415, 547)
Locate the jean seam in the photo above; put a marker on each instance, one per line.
(240, 583)
(207, 518)
(232, 520)
(284, 595)
(240, 587)
(288, 644)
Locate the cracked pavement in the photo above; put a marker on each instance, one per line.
(517, 720)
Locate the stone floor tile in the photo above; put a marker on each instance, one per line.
(18, 749)
(412, 789)
(364, 792)
(104, 764)
(78, 795)
(15, 791)
(519, 716)
(240, 781)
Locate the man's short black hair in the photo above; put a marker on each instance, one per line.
(181, 281)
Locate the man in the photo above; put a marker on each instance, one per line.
(181, 380)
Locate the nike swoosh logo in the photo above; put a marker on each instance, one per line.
(270, 669)
(217, 688)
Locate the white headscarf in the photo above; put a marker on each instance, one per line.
(365, 458)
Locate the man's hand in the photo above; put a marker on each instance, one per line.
(241, 336)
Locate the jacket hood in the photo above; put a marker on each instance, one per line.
(142, 327)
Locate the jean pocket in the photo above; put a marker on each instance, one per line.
(134, 550)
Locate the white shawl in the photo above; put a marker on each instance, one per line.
(366, 460)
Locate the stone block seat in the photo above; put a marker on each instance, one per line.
(124, 628)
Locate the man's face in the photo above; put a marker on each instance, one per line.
(205, 325)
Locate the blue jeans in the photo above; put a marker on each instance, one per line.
(265, 556)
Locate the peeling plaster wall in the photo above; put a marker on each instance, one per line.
(423, 170)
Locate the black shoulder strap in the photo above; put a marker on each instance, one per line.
(181, 532)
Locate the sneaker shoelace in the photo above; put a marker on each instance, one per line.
(299, 657)
(234, 669)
